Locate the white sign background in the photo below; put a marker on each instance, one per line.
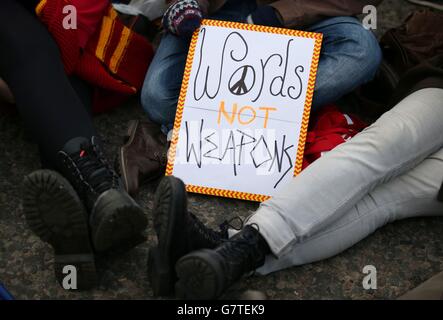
(218, 149)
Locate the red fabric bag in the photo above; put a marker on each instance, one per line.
(329, 128)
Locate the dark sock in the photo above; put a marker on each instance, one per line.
(263, 245)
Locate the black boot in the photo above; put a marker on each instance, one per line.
(56, 214)
(206, 274)
(116, 220)
(440, 194)
(178, 231)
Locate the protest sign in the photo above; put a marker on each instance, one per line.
(243, 111)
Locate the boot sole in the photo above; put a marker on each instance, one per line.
(117, 223)
(169, 215)
(55, 213)
(160, 276)
(200, 276)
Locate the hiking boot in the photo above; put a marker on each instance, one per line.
(179, 232)
(440, 194)
(436, 4)
(431, 289)
(116, 220)
(206, 274)
(56, 214)
(144, 155)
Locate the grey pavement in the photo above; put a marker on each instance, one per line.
(405, 253)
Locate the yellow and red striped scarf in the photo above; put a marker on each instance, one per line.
(114, 61)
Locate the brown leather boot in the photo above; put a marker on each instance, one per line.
(144, 155)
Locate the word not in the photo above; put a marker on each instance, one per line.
(252, 114)
(70, 20)
(244, 80)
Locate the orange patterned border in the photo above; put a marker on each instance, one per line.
(253, 27)
(181, 101)
(308, 103)
(39, 7)
(227, 193)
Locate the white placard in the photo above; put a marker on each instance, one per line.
(243, 111)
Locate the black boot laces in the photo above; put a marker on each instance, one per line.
(94, 170)
(229, 224)
(243, 252)
(212, 236)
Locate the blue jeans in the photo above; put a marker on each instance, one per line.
(350, 57)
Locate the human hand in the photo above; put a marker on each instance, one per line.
(183, 17)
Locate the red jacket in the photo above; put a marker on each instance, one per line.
(102, 51)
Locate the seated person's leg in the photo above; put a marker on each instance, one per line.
(164, 78)
(350, 57)
(320, 196)
(31, 65)
(84, 91)
(163, 81)
(394, 144)
(412, 194)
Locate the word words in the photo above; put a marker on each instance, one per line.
(245, 79)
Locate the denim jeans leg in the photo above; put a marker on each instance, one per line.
(162, 84)
(163, 80)
(350, 56)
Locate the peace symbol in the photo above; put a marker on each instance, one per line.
(241, 86)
